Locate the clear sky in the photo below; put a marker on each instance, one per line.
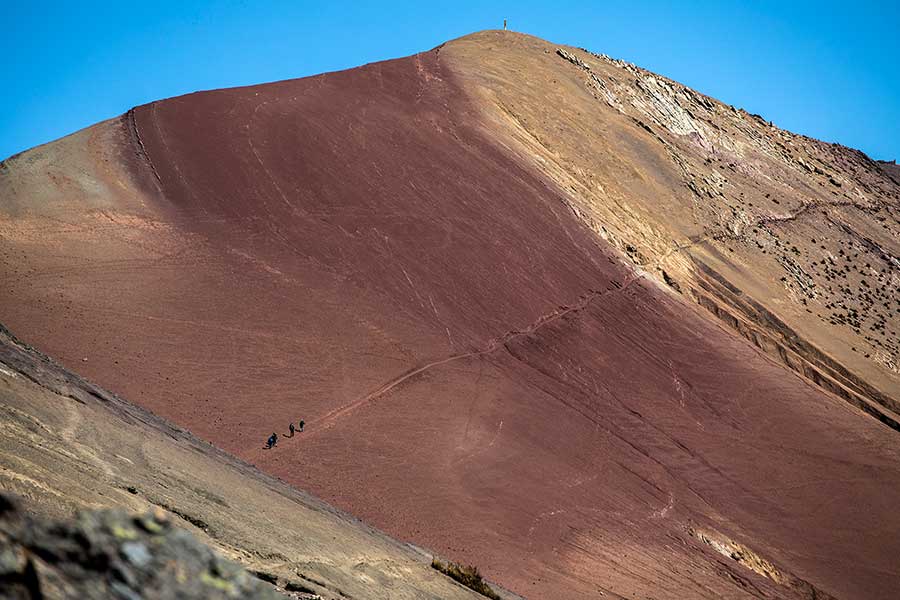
(826, 69)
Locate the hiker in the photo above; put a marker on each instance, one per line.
(302, 423)
(273, 439)
(291, 427)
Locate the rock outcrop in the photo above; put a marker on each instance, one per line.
(68, 446)
(114, 554)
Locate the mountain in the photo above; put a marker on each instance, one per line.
(542, 311)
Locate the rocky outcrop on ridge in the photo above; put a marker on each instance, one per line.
(113, 554)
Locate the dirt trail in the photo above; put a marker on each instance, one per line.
(327, 421)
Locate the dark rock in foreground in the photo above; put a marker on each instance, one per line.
(113, 554)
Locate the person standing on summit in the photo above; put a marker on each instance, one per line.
(273, 439)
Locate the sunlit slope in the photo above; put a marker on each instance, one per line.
(468, 313)
(791, 241)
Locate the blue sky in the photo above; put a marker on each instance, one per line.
(826, 69)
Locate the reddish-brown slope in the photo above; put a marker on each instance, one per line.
(480, 373)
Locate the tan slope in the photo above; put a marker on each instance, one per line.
(66, 444)
(792, 242)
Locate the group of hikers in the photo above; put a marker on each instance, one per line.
(273, 439)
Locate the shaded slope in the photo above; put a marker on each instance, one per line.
(372, 251)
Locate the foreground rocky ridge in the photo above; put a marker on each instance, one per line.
(68, 446)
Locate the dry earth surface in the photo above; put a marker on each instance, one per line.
(543, 311)
(67, 445)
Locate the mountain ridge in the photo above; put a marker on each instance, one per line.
(817, 362)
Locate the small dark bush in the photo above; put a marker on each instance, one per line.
(468, 576)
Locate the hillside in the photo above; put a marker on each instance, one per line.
(792, 242)
(137, 556)
(67, 445)
(542, 311)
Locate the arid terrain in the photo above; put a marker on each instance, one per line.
(67, 445)
(542, 311)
